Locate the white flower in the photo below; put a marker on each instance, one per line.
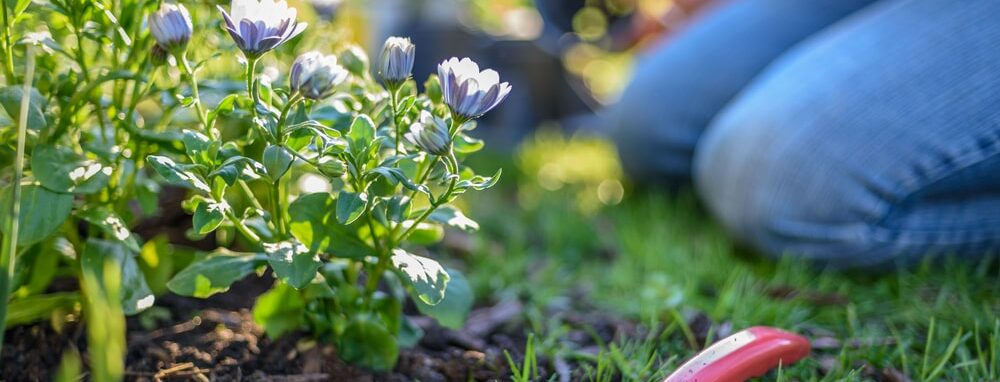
(470, 93)
(397, 60)
(258, 26)
(430, 134)
(171, 26)
(315, 76)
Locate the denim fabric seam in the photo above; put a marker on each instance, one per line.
(972, 157)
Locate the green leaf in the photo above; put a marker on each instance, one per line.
(409, 334)
(428, 278)
(362, 130)
(198, 147)
(208, 216)
(367, 343)
(292, 262)
(159, 261)
(480, 183)
(361, 137)
(214, 273)
(225, 107)
(31, 309)
(62, 170)
(433, 88)
(277, 160)
(239, 167)
(42, 212)
(280, 310)
(425, 234)
(110, 223)
(350, 206)
(135, 294)
(452, 311)
(396, 176)
(316, 227)
(465, 144)
(178, 173)
(453, 217)
(10, 100)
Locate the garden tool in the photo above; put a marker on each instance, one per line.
(747, 354)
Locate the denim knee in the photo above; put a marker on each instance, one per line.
(867, 146)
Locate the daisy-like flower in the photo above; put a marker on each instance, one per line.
(315, 76)
(469, 92)
(171, 26)
(397, 60)
(258, 26)
(430, 134)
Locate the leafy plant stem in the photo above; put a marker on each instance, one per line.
(452, 164)
(249, 193)
(8, 49)
(9, 250)
(380, 267)
(193, 83)
(276, 208)
(395, 124)
(294, 99)
(420, 180)
(251, 90)
(243, 228)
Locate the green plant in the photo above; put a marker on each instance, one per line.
(332, 180)
(75, 157)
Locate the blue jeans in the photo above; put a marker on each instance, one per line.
(856, 133)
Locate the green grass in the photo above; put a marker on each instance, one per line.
(659, 259)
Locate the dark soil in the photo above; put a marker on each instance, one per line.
(216, 339)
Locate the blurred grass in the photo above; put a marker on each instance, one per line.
(660, 260)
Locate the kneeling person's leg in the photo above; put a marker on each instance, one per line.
(684, 82)
(877, 142)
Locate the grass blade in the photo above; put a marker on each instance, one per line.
(9, 250)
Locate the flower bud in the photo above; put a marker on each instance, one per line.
(396, 61)
(331, 166)
(469, 92)
(315, 76)
(171, 27)
(158, 55)
(430, 134)
(326, 8)
(355, 60)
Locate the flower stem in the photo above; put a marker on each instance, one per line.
(9, 250)
(452, 164)
(251, 90)
(392, 103)
(276, 209)
(193, 83)
(243, 228)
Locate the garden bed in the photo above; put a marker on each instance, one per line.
(216, 339)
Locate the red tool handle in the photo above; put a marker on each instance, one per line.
(747, 354)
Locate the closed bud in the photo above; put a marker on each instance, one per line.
(396, 61)
(315, 76)
(331, 166)
(158, 55)
(430, 134)
(355, 60)
(326, 8)
(171, 27)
